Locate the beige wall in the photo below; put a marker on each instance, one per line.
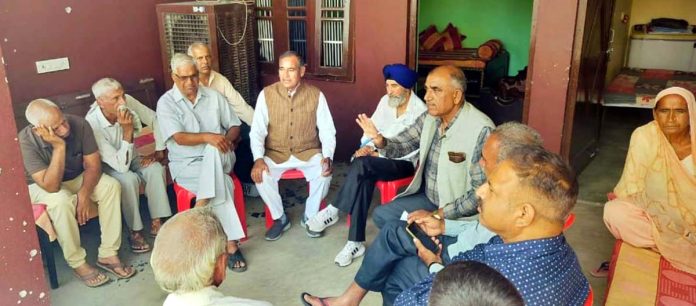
(643, 11)
(620, 42)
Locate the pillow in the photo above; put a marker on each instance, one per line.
(434, 42)
(452, 38)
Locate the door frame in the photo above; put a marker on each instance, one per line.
(552, 112)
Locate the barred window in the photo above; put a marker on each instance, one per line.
(318, 30)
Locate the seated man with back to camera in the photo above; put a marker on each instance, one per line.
(471, 283)
(204, 249)
(63, 171)
(292, 129)
(396, 111)
(200, 130)
(115, 120)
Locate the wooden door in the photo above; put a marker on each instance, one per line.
(583, 111)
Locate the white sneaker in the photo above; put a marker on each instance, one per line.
(323, 219)
(350, 251)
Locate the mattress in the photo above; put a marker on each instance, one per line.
(638, 87)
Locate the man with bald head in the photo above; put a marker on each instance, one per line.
(200, 131)
(63, 171)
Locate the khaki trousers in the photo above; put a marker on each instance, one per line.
(61, 208)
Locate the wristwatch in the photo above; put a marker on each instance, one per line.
(436, 215)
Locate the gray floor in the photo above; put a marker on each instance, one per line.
(279, 271)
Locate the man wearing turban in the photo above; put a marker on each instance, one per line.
(397, 110)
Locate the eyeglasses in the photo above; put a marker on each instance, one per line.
(184, 78)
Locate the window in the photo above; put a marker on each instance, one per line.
(320, 31)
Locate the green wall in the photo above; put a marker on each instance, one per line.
(507, 20)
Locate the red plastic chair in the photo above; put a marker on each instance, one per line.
(569, 221)
(292, 174)
(184, 197)
(388, 191)
(590, 298)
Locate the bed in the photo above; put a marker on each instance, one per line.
(634, 87)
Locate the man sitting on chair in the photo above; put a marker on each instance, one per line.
(292, 129)
(200, 130)
(396, 111)
(115, 126)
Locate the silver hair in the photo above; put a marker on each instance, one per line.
(513, 134)
(36, 110)
(180, 60)
(196, 44)
(105, 86)
(291, 53)
(186, 250)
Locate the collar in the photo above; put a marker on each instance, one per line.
(195, 297)
(96, 112)
(178, 96)
(454, 119)
(212, 76)
(496, 248)
(292, 91)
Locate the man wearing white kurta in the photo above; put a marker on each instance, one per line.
(292, 129)
(200, 129)
(115, 126)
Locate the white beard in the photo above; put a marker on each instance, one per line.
(396, 101)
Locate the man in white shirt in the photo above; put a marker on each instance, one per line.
(200, 131)
(210, 78)
(203, 251)
(396, 111)
(292, 129)
(115, 126)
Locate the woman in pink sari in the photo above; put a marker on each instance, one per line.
(655, 205)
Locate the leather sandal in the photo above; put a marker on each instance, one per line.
(90, 278)
(237, 259)
(111, 268)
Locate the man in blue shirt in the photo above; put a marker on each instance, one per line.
(525, 202)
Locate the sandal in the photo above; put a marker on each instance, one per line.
(236, 259)
(91, 279)
(305, 303)
(601, 271)
(138, 244)
(111, 268)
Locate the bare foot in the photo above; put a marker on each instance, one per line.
(155, 226)
(327, 301)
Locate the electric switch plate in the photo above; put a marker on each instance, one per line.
(51, 65)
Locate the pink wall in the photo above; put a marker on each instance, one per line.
(100, 38)
(22, 278)
(380, 39)
(549, 62)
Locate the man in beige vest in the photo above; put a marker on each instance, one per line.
(210, 78)
(292, 129)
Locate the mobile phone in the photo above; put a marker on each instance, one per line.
(416, 232)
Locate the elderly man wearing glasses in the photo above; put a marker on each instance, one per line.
(200, 131)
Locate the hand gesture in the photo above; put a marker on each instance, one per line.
(82, 209)
(147, 160)
(365, 151)
(326, 167)
(219, 141)
(427, 256)
(47, 134)
(257, 171)
(368, 127)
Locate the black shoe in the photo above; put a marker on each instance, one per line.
(277, 229)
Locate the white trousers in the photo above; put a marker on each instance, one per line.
(318, 184)
(208, 178)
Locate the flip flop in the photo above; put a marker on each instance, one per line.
(111, 268)
(234, 258)
(305, 303)
(85, 279)
(139, 245)
(601, 271)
